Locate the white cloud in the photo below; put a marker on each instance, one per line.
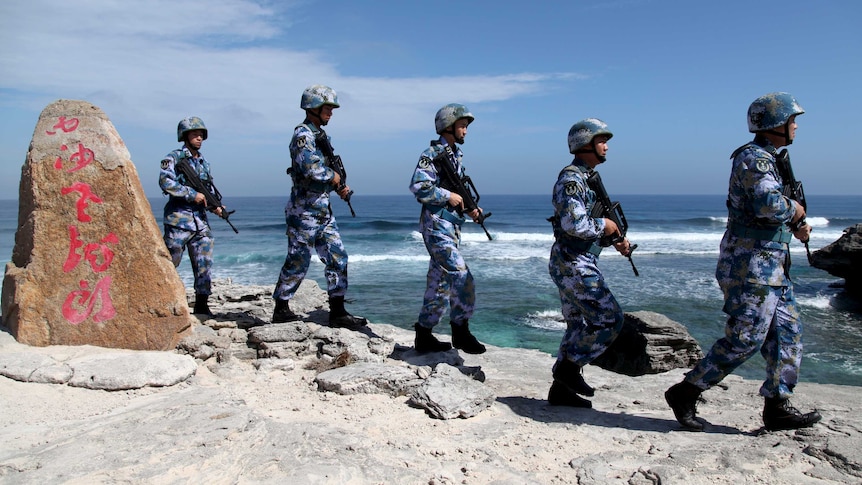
(148, 62)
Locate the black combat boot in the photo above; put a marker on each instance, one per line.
(426, 342)
(283, 313)
(464, 340)
(339, 318)
(682, 398)
(572, 376)
(778, 415)
(201, 306)
(561, 395)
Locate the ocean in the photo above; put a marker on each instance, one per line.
(517, 304)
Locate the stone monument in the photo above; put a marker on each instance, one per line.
(89, 264)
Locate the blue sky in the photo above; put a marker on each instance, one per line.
(673, 79)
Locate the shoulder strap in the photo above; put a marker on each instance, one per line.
(574, 168)
(740, 149)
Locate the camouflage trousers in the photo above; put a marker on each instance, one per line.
(761, 318)
(449, 281)
(593, 316)
(304, 231)
(200, 244)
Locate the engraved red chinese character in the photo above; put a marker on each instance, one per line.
(79, 304)
(81, 158)
(87, 195)
(65, 125)
(99, 255)
(58, 163)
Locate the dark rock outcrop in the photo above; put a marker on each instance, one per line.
(650, 343)
(843, 258)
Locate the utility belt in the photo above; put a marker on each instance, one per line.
(779, 234)
(444, 213)
(572, 244)
(319, 187)
(182, 203)
(576, 245)
(307, 185)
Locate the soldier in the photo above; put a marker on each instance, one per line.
(310, 222)
(593, 316)
(752, 272)
(449, 279)
(185, 216)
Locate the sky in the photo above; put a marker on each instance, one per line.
(672, 79)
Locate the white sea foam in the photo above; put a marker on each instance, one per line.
(817, 221)
(376, 258)
(514, 246)
(546, 320)
(819, 301)
(508, 236)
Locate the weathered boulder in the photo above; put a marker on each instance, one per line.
(109, 370)
(843, 258)
(369, 378)
(89, 265)
(650, 343)
(449, 394)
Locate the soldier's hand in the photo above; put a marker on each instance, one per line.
(219, 211)
(344, 192)
(611, 228)
(455, 200)
(800, 213)
(803, 233)
(336, 179)
(200, 198)
(623, 247)
(474, 214)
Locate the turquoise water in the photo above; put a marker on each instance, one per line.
(517, 303)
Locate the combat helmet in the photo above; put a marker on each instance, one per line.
(771, 111)
(318, 95)
(449, 114)
(189, 124)
(582, 133)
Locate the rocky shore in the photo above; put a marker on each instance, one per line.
(243, 402)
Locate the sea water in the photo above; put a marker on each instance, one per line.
(517, 304)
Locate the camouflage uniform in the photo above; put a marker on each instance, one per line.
(185, 221)
(309, 219)
(449, 281)
(752, 272)
(593, 316)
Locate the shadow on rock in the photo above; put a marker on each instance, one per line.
(540, 410)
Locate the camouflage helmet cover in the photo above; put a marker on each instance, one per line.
(449, 114)
(189, 124)
(318, 95)
(583, 132)
(771, 111)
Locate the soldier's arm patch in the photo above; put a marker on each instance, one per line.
(571, 188)
(300, 142)
(762, 165)
(424, 163)
(166, 163)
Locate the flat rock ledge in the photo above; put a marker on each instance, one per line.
(243, 401)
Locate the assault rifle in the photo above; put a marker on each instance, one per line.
(463, 186)
(610, 210)
(213, 196)
(792, 189)
(335, 163)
